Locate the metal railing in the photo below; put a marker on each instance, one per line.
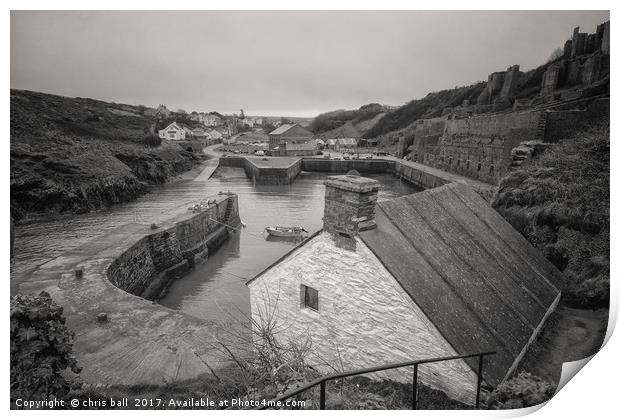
(322, 381)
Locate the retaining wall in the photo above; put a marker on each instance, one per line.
(423, 176)
(564, 124)
(370, 166)
(272, 175)
(148, 266)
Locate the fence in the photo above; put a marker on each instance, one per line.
(322, 381)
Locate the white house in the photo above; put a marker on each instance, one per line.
(433, 274)
(173, 132)
(212, 120)
(247, 121)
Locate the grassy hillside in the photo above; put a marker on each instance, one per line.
(560, 203)
(432, 105)
(356, 121)
(373, 120)
(76, 154)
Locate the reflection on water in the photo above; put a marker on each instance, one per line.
(215, 290)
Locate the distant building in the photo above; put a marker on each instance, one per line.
(212, 120)
(173, 132)
(160, 111)
(289, 133)
(189, 131)
(208, 120)
(433, 274)
(200, 132)
(247, 121)
(308, 148)
(340, 144)
(214, 135)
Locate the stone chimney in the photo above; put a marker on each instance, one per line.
(349, 204)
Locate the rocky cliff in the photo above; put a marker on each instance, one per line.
(76, 154)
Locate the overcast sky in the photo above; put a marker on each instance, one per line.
(276, 63)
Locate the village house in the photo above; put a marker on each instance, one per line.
(345, 144)
(429, 275)
(289, 133)
(189, 131)
(212, 120)
(214, 135)
(200, 132)
(161, 111)
(174, 131)
(308, 148)
(247, 121)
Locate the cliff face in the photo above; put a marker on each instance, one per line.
(76, 155)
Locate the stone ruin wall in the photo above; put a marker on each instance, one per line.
(563, 124)
(585, 61)
(147, 267)
(480, 147)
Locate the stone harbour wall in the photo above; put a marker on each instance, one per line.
(272, 175)
(370, 166)
(148, 266)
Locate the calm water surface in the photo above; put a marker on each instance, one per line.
(215, 290)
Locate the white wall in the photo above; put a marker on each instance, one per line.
(365, 318)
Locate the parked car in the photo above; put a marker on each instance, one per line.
(259, 153)
(237, 152)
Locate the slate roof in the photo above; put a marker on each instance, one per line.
(282, 129)
(475, 277)
(308, 145)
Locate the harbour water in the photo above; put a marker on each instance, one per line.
(215, 290)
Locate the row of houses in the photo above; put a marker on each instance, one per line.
(295, 140)
(207, 119)
(178, 131)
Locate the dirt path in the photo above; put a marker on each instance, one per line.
(570, 334)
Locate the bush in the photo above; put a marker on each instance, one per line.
(525, 390)
(152, 140)
(41, 348)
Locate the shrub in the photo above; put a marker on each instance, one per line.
(41, 348)
(152, 140)
(525, 390)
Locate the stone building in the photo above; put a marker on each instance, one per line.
(428, 275)
(585, 61)
(500, 87)
(289, 133)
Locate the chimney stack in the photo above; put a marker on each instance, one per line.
(350, 204)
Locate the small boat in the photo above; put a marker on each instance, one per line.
(286, 232)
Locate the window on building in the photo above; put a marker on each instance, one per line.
(309, 297)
